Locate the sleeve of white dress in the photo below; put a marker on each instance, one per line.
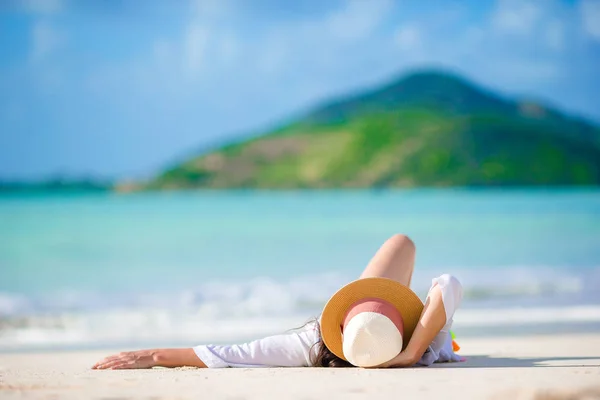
(440, 349)
(288, 350)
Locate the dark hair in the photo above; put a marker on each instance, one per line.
(324, 357)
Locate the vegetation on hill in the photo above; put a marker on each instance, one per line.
(427, 129)
(55, 184)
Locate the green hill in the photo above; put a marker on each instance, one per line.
(426, 129)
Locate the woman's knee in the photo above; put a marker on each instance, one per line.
(401, 242)
(394, 260)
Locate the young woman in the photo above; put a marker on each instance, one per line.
(429, 341)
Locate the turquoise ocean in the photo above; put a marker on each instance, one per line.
(86, 270)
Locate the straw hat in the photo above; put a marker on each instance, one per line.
(369, 321)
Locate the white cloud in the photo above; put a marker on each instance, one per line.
(273, 55)
(43, 6)
(229, 47)
(320, 40)
(516, 16)
(358, 19)
(205, 42)
(184, 61)
(590, 17)
(45, 40)
(408, 38)
(526, 72)
(163, 51)
(208, 42)
(555, 35)
(474, 36)
(210, 9)
(195, 46)
(548, 24)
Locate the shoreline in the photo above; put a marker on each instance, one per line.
(468, 333)
(36, 335)
(501, 366)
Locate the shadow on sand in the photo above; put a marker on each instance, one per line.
(509, 362)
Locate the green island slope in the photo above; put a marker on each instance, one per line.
(427, 129)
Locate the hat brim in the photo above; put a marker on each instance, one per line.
(405, 300)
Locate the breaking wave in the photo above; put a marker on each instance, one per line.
(222, 311)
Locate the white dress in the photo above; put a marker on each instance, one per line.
(297, 349)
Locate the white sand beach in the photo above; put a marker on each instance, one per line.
(527, 367)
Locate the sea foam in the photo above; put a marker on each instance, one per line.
(224, 310)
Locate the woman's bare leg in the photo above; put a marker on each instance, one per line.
(395, 259)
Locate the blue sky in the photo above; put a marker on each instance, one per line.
(109, 89)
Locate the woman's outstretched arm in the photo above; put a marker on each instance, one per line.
(151, 358)
(293, 349)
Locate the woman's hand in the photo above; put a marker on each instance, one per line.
(151, 358)
(403, 359)
(129, 360)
